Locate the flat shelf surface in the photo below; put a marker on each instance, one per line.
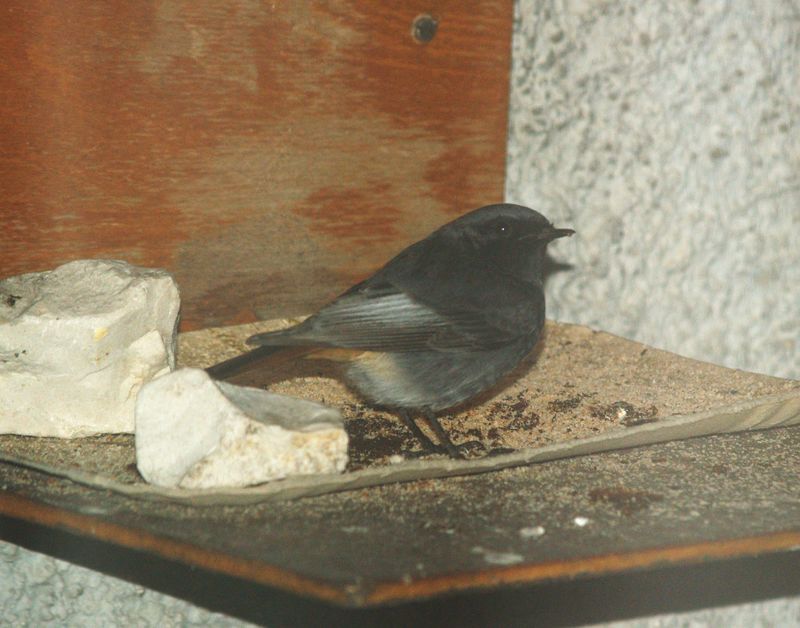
(713, 497)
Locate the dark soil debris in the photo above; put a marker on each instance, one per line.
(473, 433)
(565, 405)
(517, 408)
(373, 438)
(525, 422)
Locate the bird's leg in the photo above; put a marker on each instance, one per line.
(426, 442)
(444, 439)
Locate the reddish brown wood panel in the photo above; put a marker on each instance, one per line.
(269, 154)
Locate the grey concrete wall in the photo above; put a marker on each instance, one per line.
(668, 135)
(38, 591)
(779, 613)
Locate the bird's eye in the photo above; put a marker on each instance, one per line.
(502, 228)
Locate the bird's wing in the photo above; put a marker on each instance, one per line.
(379, 316)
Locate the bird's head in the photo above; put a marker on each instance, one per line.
(511, 238)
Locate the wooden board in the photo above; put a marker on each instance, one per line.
(269, 154)
(720, 499)
(730, 500)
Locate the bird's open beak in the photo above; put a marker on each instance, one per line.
(550, 234)
(557, 233)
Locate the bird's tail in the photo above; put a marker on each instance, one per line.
(285, 342)
(243, 362)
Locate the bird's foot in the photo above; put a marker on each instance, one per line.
(470, 449)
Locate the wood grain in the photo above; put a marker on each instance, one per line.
(269, 154)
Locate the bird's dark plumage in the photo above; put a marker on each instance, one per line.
(439, 323)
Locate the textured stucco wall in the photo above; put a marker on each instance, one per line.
(37, 591)
(668, 135)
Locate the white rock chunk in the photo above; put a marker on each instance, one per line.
(194, 432)
(77, 343)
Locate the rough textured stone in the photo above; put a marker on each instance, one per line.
(193, 432)
(77, 343)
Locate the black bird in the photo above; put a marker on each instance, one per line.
(441, 322)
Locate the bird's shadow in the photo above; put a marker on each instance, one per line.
(553, 266)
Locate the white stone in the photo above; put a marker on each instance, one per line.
(194, 432)
(78, 342)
